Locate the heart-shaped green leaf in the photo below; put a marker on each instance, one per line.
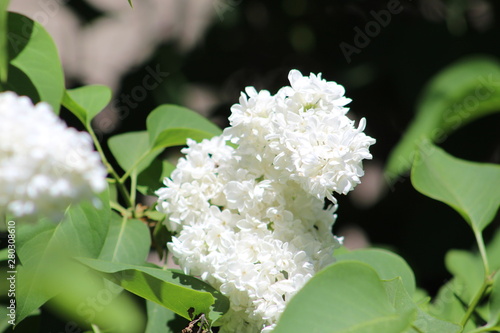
(34, 66)
(170, 125)
(468, 187)
(87, 101)
(132, 151)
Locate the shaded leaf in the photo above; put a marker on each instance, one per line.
(161, 319)
(468, 187)
(4, 60)
(458, 94)
(467, 268)
(447, 306)
(150, 179)
(347, 296)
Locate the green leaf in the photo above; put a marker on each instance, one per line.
(150, 179)
(35, 68)
(82, 232)
(86, 102)
(447, 305)
(493, 251)
(347, 296)
(82, 297)
(4, 60)
(468, 269)
(161, 236)
(170, 288)
(170, 125)
(460, 93)
(424, 322)
(160, 318)
(132, 151)
(470, 188)
(128, 241)
(495, 302)
(157, 317)
(388, 265)
(4, 254)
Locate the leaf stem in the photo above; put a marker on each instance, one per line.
(133, 187)
(119, 183)
(482, 251)
(487, 283)
(116, 206)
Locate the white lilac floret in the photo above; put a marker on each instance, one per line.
(251, 220)
(44, 165)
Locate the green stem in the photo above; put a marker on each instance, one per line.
(119, 184)
(482, 251)
(134, 166)
(486, 283)
(116, 206)
(133, 187)
(476, 300)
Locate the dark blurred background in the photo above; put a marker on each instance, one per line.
(204, 52)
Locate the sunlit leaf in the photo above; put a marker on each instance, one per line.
(183, 294)
(388, 265)
(424, 322)
(87, 101)
(345, 297)
(170, 125)
(35, 69)
(132, 151)
(128, 241)
(82, 232)
(468, 187)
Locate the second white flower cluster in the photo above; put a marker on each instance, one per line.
(251, 220)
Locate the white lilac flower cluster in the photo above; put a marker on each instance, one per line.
(251, 220)
(44, 165)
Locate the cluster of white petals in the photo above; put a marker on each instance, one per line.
(251, 220)
(44, 165)
(303, 133)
